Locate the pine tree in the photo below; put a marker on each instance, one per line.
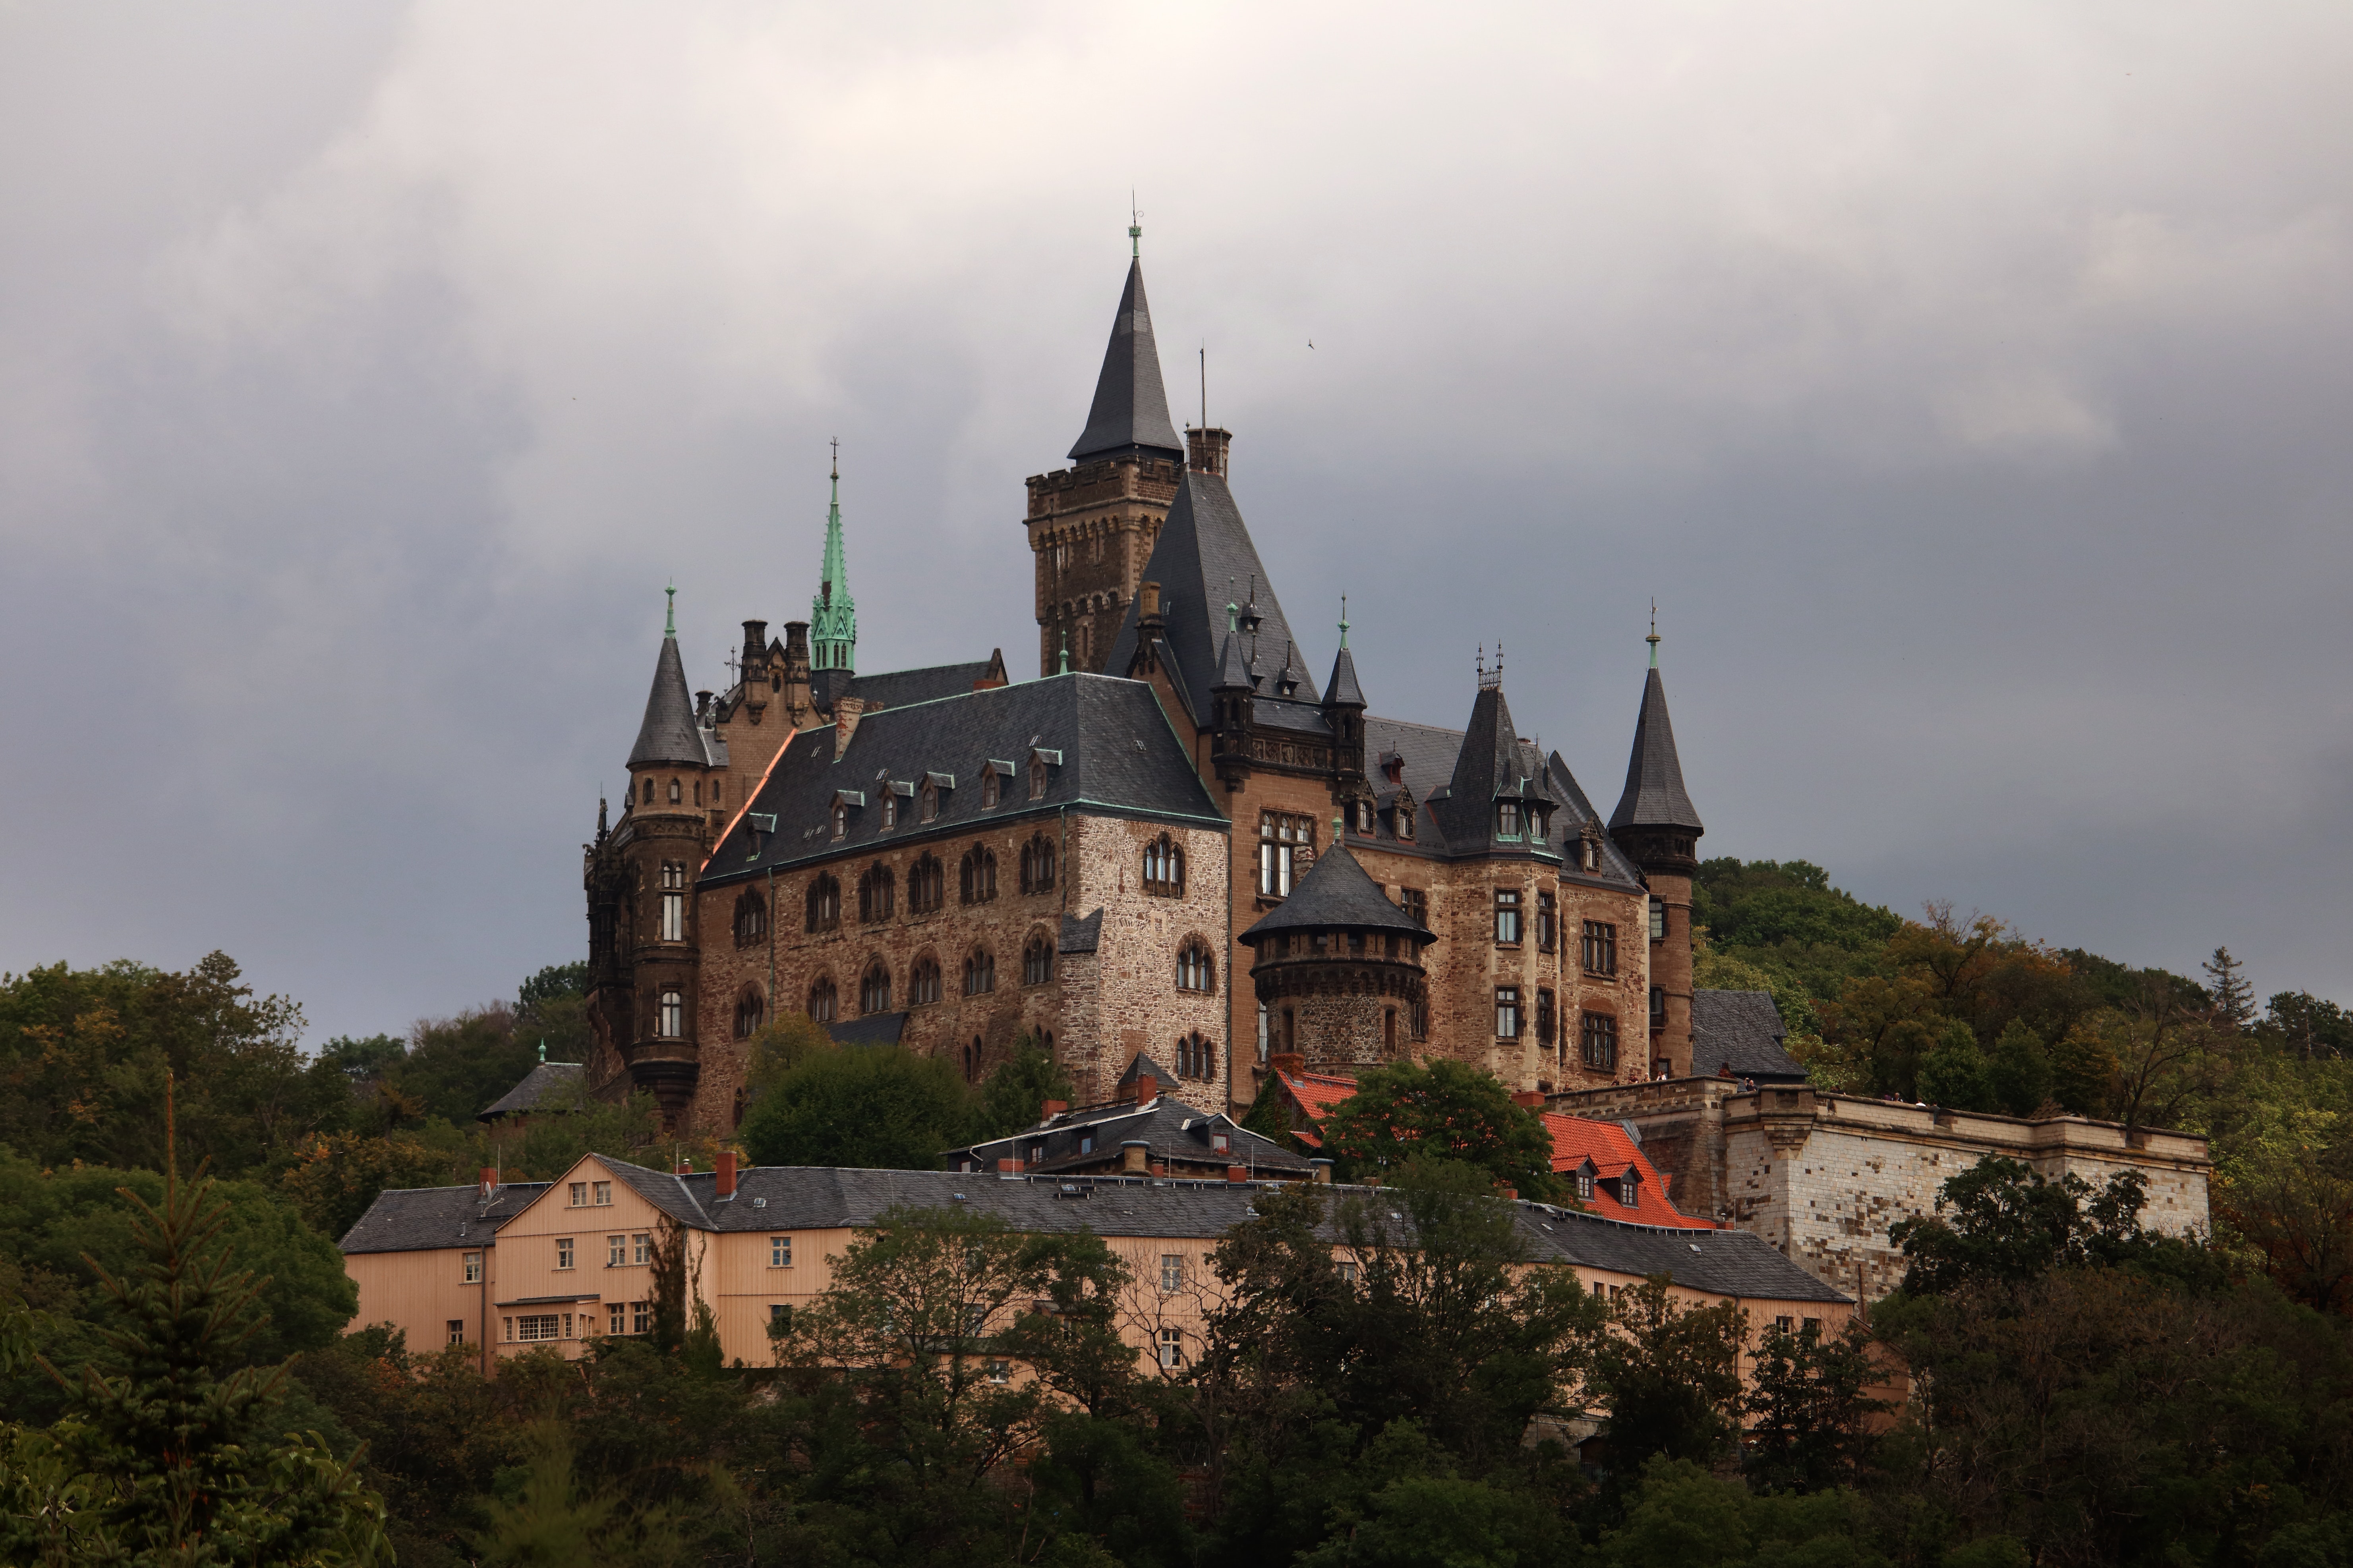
(2227, 984)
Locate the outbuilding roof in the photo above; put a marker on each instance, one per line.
(1741, 1030)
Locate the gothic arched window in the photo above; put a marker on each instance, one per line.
(1196, 1057)
(751, 917)
(972, 1062)
(669, 1016)
(878, 894)
(874, 989)
(1037, 865)
(1193, 966)
(1038, 961)
(1164, 868)
(979, 973)
(751, 1011)
(976, 876)
(926, 886)
(821, 1000)
(674, 792)
(824, 902)
(924, 982)
(989, 789)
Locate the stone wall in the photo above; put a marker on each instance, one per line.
(1823, 1176)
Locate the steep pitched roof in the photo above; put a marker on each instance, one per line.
(1613, 1151)
(1203, 561)
(1576, 810)
(1131, 405)
(897, 687)
(670, 733)
(542, 1080)
(1654, 796)
(416, 1219)
(1176, 1133)
(1342, 688)
(1742, 1030)
(1337, 892)
(1119, 757)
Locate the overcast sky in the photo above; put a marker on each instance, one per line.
(1968, 383)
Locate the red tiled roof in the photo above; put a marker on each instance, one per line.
(1575, 1139)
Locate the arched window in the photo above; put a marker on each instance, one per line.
(751, 917)
(874, 989)
(649, 791)
(1193, 966)
(1037, 865)
(976, 876)
(824, 903)
(669, 1016)
(878, 894)
(979, 973)
(890, 809)
(926, 885)
(674, 792)
(1164, 868)
(924, 982)
(1036, 779)
(840, 820)
(1196, 1057)
(1038, 961)
(821, 1000)
(988, 789)
(751, 1011)
(972, 1062)
(929, 806)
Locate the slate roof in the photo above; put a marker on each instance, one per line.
(1081, 934)
(1118, 752)
(535, 1086)
(1726, 1262)
(1178, 1135)
(1131, 407)
(1576, 809)
(1203, 561)
(1141, 1067)
(873, 1029)
(1654, 796)
(1337, 892)
(1490, 765)
(897, 687)
(1743, 1030)
(418, 1219)
(1342, 688)
(668, 733)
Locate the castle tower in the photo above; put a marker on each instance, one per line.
(1657, 826)
(1092, 525)
(1338, 969)
(833, 615)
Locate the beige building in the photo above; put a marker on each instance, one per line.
(509, 1268)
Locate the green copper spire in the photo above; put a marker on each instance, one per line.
(833, 615)
(669, 617)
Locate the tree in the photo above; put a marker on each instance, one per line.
(1810, 1417)
(2233, 999)
(2295, 1206)
(2001, 1222)
(1446, 1110)
(875, 1107)
(456, 1066)
(2311, 1028)
(2018, 1070)
(179, 1442)
(1011, 1097)
(1955, 1073)
(1668, 1375)
(336, 1175)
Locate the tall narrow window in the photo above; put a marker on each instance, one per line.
(874, 989)
(1280, 836)
(751, 1011)
(1193, 966)
(674, 901)
(926, 884)
(924, 982)
(1600, 948)
(1037, 865)
(989, 789)
(822, 1000)
(1658, 1008)
(751, 917)
(1415, 902)
(824, 903)
(1507, 916)
(890, 809)
(1038, 961)
(976, 876)
(1507, 819)
(979, 973)
(1262, 1043)
(674, 792)
(1545, 1021)
(878, 894)
(670, 1022)
(1164, 868)
(1507, 1012)
(1037, 781)
(1547, 923)
(930, 811)
(1657, 919)
(1597, 1042)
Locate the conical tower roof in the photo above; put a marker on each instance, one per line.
(833, 614)
(1342, 690)
(1336, 893)
(669, 733)
(1131, 407)
(1654, 794)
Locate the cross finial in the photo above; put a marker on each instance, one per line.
(1134, 228)
(669, 622)
(837, 457)
(1344, 620)
(1653, 638)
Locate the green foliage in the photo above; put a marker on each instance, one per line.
(456, 1067)
(874, 1106)
(1955, 1073)
(1681, 1514)
(1669, 1374)
(2018, 1071)
(1808, 1410)
(1999, 1222)
(1011, 1095)
(1446, 1110)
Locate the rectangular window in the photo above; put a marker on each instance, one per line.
(507, 1324)
(1585, 1191)
(567, 1324)
(564, 1253)
(540, 1326)
(1415, 901)
(1507, 916)
(601, 1194)
(1630, 1190)
(1600, 948)
(1280, 836)
(780, 1317)
(1347, 1274)
(617, 1251)
(674, 917)
(1547, 923)
(641, 1248)
(1658, 1008)
(1507, 819)
(780, 1252)
(576, 1196)
(1544, 1017)
(1783, 1325)
(1657, 919)
(1000, 1371)
(474, 1269)
(1172, 1349)
(616, 1319)
(1811, 1327)
(1597, 1042)
(1086, 1142)
(456, 1330)
(1507, 1012)
(1172, 1271)
(641, 1317)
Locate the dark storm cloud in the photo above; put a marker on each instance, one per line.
(1969, 387)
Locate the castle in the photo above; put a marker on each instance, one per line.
(1174, 844)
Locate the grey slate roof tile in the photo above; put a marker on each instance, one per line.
(870, 1029)
(1081, 934)
(668, 733)
(1337, 892)
(1131, 405)
(1743, 1030)
(544, 1078)
(1654, 794)
(416, 1219)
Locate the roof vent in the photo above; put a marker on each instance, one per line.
(759, 1202)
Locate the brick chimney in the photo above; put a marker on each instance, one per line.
(727, 1173)
(1009, 1167)
(686, 1167)
(1321, 1170)
(1136, 1157)
(755, 668)
(1147, 1090)
(1529, 1098)
(490, 1183)
(798, 698)
(1205, 449)
(1238, 1172)
(1050, 1108)
(846, 711)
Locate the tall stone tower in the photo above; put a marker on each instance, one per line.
(833, 615)
(1657, 826)
(1092, 525)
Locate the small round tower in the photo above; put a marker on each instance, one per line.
(1338, 970)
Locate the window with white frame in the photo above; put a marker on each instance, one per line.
(1172, 1349)
(474, 1269)
(563, 1252)
(671, 1021)
(600, 1193)
(616, 1253)
(1172, 1271)
(674, 901)
(641, 1248)
(1281, 836)
(1507, 1012)
(537, 1326)
(576, 1195)
(780, 1252)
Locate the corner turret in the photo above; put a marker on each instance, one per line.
(1659, 829)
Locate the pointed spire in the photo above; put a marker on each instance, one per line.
(833, 614)
(1233, 669)
(1342, 690)
(1654, 796)
(669, 733)
(1130, 408)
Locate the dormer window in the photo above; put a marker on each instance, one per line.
(1363, 814)
(889, 812)
(988, 789)
(1507, 820)
(930, 811)
(1404, 822)
(1037, 781)
(840, 820)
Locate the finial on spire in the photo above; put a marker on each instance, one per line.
(1344, 620)
(1065, 654)
(1653, 638)
(836, 459)
(1135, 230)
(669, 621)
(542, 1051)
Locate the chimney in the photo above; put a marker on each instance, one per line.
(490, 1183)
(1530, 1099)
(1238, 1172)
(1135, 1157)
(795, 675)
(1050, 1108)
(846, 710)
(1009, 1167)
(727, 1173)
(1205, 449)
(1322, 1172)
(1147, 1090)
(1509, 1194)
(756, 668)
(686, 1167)
(1160, 1171)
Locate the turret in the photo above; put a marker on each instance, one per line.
(1232, 695)
(833, 615)
(1343, 710)
(1659, 829)
(1338, 970)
